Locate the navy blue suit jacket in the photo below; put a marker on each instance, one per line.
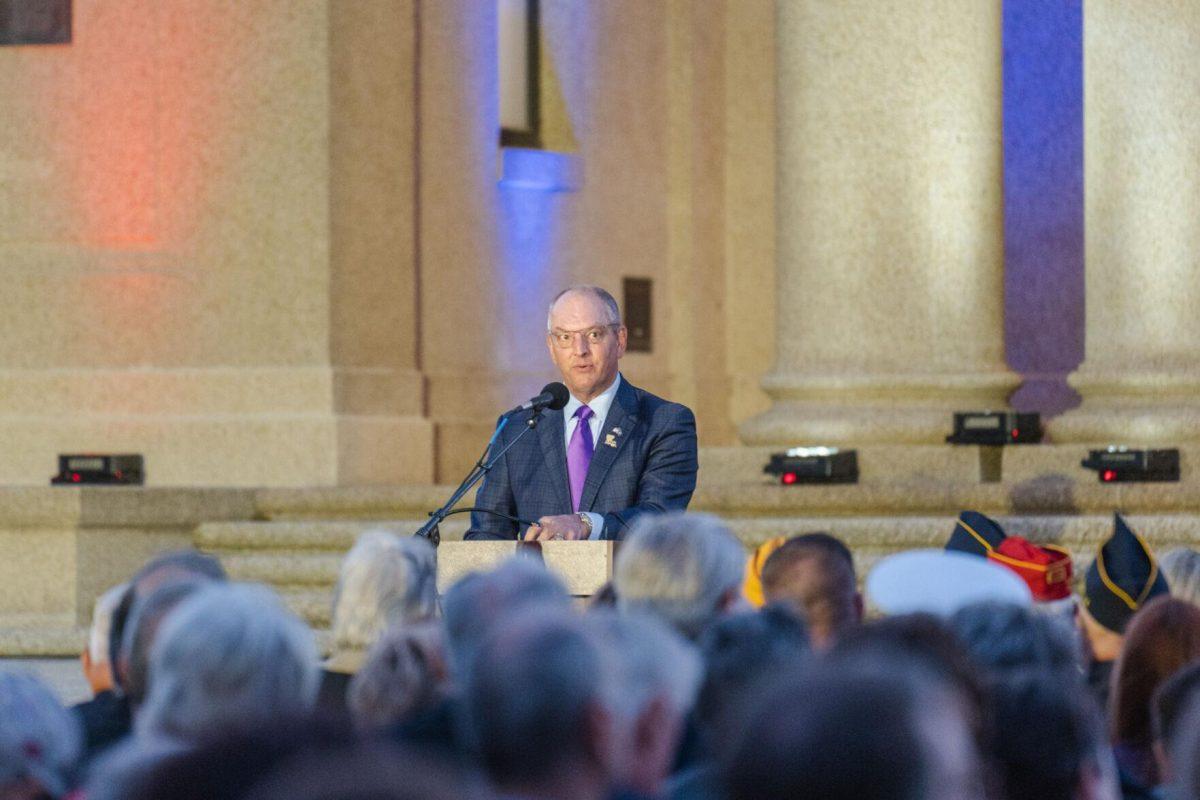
(649, 466)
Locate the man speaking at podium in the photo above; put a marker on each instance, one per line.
(613, 453)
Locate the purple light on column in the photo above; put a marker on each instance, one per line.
(1043, 199)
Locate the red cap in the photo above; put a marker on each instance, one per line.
(1046, 568)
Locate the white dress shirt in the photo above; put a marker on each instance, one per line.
(599, 406)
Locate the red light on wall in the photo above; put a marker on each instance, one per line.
(788, 478)
(1108, 475)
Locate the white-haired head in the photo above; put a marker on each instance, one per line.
(384, 580)
(40, 740)
(227, 658)
(685, 569)
(650, 661)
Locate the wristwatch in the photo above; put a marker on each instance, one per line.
(587, 525)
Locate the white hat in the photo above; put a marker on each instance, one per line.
(940, 582)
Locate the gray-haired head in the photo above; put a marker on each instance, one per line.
(164, 568)
(226, 658)
(612, 310)
(685, 569)
(476, 603)
(102, 615)
(177, 565)
(1002, 638)
(405, 672)
(1181, 567)
(40, 740)
(384, 580)
(145, 620)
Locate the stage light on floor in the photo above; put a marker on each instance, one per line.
(995, 428)
(1119, 464)
(814, 465)
(128, 470)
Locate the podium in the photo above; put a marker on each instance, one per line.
(583, 566)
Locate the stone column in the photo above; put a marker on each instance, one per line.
(1140, 379)
(890, 239)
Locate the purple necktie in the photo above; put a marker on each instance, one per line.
(579, 454)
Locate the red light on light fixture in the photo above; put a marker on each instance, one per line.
(1108, 475)
(788, 478)
(75, 477)
(1016, 433)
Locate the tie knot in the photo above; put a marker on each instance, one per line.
(583, 413)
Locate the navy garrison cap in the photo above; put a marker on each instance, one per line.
(976, 534)
(1122, 579)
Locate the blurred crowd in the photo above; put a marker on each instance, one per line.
(988, 670)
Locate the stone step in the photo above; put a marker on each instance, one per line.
(306, 574)
(313, 604)
(257, 548)
(282, 568)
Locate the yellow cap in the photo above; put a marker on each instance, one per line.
(752, 587)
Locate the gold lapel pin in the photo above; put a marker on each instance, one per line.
(611, 440)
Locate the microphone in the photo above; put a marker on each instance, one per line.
(554, 396)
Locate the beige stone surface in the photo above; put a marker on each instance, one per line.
(583, 566)
(890, 230)
(203, 260)
(1140, 380)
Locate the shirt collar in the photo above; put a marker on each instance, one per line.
(600, 404)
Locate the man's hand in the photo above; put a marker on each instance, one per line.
(560, 526)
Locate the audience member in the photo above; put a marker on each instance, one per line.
(477, 602)
(229, 657)
(1047, 739)
(1181, 567)
(562, 739)
(1122, 579)
(685, 569)
(406, 674)
(739, 652)
(141, 632)
(373, 771)
(841, 733)
(384, 580)
(220, 765)
(161, 569)
(651, 676)
(1002, 638)
(923, 642)
(110, 721)
(814, 573)
(1163, 637)
(106, 717)
(40, 741)
(95, 659)
(1168, 708)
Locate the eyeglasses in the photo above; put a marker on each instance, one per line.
(564, 340)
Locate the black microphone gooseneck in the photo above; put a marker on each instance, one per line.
(554, 396)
